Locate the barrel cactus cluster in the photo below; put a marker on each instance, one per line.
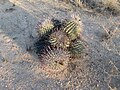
(59, 42)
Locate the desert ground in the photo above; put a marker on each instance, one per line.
(20, 67)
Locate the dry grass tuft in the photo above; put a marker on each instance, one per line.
(112, 4)
(97, 6)
(74, 2)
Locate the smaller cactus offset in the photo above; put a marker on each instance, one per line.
(45, 27)
(59, 39)
(70, 29)
(73, 27)
(76, 48)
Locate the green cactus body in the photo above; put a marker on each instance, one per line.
(45, 28)
(77, 47)
(72, 30)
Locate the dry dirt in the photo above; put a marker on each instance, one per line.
(19, 66)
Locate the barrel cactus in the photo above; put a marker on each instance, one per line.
(73, 27)
(59, 41)
(55, 59)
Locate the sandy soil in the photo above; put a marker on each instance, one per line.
(20, 68)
